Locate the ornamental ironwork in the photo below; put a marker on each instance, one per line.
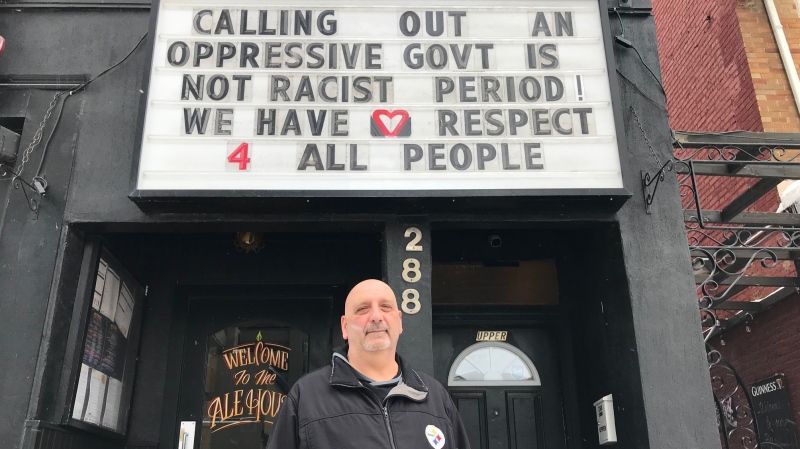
(735, 423)
(743, 256)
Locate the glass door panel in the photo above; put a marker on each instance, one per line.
(240, 358)
(249, 370)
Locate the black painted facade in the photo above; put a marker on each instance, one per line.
(626, 323)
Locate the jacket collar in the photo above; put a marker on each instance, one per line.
(342, 373)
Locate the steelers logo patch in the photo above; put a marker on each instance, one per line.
(435, 437)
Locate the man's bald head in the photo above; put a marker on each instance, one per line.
(368, 287)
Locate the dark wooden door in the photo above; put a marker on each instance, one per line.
(499, 417)
(241, 356)
(498, 411)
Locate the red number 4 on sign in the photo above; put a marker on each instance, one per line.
(240, 156)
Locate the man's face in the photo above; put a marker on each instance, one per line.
(371, 320)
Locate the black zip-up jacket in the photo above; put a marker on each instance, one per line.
(330, 409)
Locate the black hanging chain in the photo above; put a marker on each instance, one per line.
(37, 136)
(38, 184)
(646, 138)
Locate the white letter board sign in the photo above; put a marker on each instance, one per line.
(394, 98)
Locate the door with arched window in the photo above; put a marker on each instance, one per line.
(508, 393)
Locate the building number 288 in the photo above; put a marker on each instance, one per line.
(411, 272)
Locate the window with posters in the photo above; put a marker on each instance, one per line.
(105, 374)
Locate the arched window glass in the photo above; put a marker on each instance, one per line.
(492, 364)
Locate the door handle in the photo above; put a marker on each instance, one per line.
(186, 435)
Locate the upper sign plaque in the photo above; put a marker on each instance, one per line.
(469, 96)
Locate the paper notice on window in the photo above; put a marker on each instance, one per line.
(97, 392)
(99, 284)
(110, 295)
(113, 398)
(81, 393)
(93, 345)
(124, 310)
(112, 359)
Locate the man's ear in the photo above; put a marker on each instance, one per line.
(344, 327)
(400, 316)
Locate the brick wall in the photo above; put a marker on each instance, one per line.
(776, 104)
(705, 67)
(707, 76)
(721, 67)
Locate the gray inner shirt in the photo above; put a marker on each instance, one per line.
(380, 389)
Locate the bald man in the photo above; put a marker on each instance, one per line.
(369, 397)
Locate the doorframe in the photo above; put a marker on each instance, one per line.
(180, 320)
(552, 318)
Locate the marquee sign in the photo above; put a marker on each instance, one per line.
(468, 96)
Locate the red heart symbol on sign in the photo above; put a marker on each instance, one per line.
(379, 115)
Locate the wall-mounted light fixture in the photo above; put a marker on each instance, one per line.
(39, 186)
(249, 241)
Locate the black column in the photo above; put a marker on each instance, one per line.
(407, 269)
(676, 388)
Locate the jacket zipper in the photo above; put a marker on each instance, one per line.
(383, 408)
(386, 419)
(389, 426)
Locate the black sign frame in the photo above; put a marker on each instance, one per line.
(623, 193)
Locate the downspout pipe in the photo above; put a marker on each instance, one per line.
(783, 49)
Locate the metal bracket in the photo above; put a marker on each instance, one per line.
(38, 188)
(647, 181)
(630, 6)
